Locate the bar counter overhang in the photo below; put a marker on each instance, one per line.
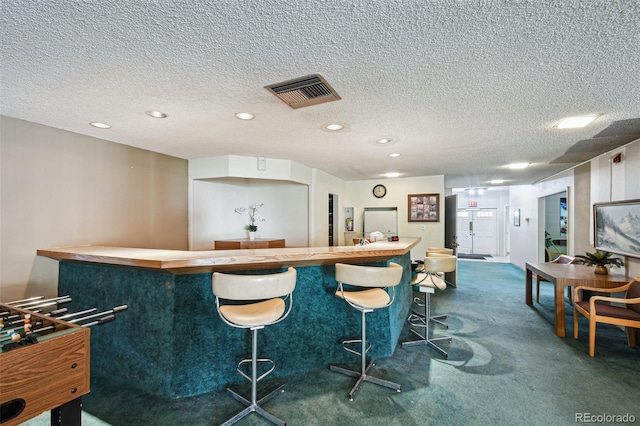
(172, 343)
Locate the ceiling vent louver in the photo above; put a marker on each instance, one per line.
(304, 91)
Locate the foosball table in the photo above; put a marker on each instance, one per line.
(45, 360)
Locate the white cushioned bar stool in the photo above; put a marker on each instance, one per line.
(372, 294)
(441, 252)
(268, 300)
(426, 282)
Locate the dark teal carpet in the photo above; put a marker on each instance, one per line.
(506, 366)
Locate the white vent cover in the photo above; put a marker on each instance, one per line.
(304, 91)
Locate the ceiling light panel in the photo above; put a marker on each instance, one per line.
(517, 166)
(576, 122)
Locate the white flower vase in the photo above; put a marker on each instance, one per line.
(252, 235)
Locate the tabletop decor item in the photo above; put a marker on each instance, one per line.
(254, 217)
(599, 259)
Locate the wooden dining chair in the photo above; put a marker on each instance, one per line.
(625, 313)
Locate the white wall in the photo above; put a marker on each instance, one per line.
(616, 182)
(527, 240)
(288, 216)
(219, 185)
(599, 180)
(63, 189)
(524, 238)
(359, 195)
(214, 202)
(323, 185)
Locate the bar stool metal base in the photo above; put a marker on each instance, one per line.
(436, 318)
(364, 368)
(255, 407)
(418, 320)
(429, 341)
(364, 377)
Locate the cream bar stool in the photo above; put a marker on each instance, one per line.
(375, 280)
(441, 252)
(267, 300)
(426, 282)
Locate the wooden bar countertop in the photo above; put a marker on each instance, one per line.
(187, 262)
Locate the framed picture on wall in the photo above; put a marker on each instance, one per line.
(617, 227)
(424, 208)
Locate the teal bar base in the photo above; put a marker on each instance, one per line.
(172, 343)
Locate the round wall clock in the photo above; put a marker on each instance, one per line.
(379, 191)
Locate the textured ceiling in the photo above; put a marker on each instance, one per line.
(462, 87)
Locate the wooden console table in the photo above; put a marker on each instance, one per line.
(245, 243)
(561, 276)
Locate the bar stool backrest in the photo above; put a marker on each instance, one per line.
(369, 276)
(440, 263)
(442, 250)
(253, 287)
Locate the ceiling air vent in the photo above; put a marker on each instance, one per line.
(304, 91)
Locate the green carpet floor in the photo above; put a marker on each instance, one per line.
(506, 366)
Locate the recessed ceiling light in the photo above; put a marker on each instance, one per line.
(245, 116)
(518, 165)
(392, 175)
(334, 127)
(156, 114)
(576, 122)
(496, 181)
(394, 155)
(383, 141)
(100, 125)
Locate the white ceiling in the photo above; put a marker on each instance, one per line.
(462, 87)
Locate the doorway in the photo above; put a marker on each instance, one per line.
(477, 231)
(333, 220)
(450, 233)
(555, 225)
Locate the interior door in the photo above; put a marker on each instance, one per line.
(485, 230)
(465, 231)
(477, 231)
(451, 222)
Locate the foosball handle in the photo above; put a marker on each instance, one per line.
(101, 321)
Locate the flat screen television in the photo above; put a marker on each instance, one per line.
(617, 227)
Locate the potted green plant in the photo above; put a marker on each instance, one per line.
(599, 259)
